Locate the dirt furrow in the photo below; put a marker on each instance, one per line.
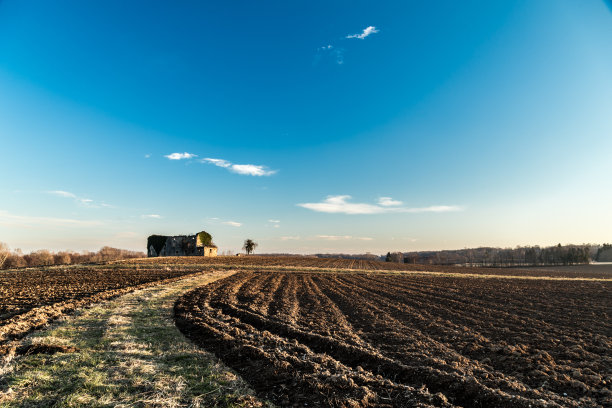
(542, 302)
(524, 351)
(275, 365)
(376, 342)
(407, 344)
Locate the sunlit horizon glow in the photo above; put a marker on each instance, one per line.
(309, 129)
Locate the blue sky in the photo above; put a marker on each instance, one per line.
(307, 126)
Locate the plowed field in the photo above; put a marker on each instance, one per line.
(347, 339)
(303, 262)
(29, 298)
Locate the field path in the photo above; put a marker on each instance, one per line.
(123, 353)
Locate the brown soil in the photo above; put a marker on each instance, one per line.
(357, 340)
(43, 349)
(577, 271)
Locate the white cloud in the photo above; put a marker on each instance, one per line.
(338, 205)
(147, 156)
(388, 202)
(217, 220)
(366, 32)
(61, 193)
(295, 238)
(337, 53)
(244, 169)
(274, 221)
(342, 238)
(180, 156)
(217, 162)
(152, 216)
(7, 218)
(251, 170)
(334, 237)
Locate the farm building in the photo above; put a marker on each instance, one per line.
(199, 244)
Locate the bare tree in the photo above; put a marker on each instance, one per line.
(249, 245)
(4, 253)
(15, 261)
(62, 258)
(397, 257)
(42, 257)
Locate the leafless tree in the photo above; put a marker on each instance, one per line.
(4, 253)
(62, 258)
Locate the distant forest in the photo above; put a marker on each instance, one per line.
(494, 257)
(502, 257)
(483, 256)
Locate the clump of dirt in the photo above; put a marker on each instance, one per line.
(30, 349)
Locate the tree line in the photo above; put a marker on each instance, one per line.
(502, 257)
(43, 257)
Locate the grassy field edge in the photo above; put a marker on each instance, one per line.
(128, 352)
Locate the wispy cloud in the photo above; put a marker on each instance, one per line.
(244, 169)
(291, 238)
(61, 193)
(388, 202)
(366, 32)
(251, 170)
(7, 218)
(217, 162)
(151, 216)
(275, 223)
(339, 56)
(329, 51)
(339, 204)
(217, 221)
(342, 238)
(180, 156)
(86, 202)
